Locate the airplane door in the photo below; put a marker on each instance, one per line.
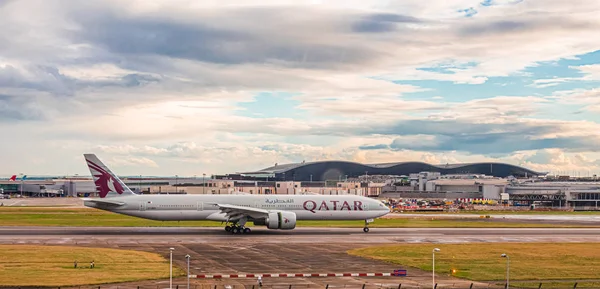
(142, 206)
(200, 206)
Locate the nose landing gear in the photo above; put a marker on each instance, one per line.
(366, 228)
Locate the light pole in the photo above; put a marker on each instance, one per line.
(188, 270)
(507, 267)
(176, 181)
(22, 181)
(171, 268)
(204, 184)
(433, 266)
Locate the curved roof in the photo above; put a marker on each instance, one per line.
(329, 170)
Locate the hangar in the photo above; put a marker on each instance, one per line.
(340, 170)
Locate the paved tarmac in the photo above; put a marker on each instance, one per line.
(43, 202)
(303, 250)
(297, 258)
(152, 235)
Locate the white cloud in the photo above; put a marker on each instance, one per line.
(590, 98)
(500, 109)
(590, 71)
(133, 162)
(556, 161)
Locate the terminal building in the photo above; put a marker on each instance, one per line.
(324, 177)
(505, 183)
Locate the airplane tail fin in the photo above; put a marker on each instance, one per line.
(13, 178)
(107, 183)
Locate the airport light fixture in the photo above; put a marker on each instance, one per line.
(204, 184)
(22, 181)
(507, 267)
(433, 267)
(171, 268)
(188, 270)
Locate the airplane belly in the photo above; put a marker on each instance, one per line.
(170, 215)
(334, 215)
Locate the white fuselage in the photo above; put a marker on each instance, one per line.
(202, 207)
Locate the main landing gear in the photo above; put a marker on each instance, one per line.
(236, 229)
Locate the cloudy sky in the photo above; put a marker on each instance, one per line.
(191, 87)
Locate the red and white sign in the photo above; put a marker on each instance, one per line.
(219, 276)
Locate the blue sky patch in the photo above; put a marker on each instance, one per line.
(271, 105)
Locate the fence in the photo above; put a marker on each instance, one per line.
(466, 285)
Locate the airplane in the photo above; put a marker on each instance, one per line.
(278, 212)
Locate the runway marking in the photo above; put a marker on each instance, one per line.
(10, 205)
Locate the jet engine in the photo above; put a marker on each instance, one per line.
(279, 220)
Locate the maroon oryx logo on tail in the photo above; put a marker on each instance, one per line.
(105, 183)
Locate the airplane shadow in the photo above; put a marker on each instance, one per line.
(187, 232)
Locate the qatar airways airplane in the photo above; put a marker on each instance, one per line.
(273, 211)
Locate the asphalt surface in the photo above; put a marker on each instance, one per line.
(297, 258)
(151, 235)
(303, 250)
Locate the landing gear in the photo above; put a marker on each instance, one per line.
(240, 230)
(366, 228)
(237, 229)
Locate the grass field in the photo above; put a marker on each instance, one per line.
(26, 265)
(77, 217)
(482, 262)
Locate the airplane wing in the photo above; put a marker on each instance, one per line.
(233, 212)
(104, 201)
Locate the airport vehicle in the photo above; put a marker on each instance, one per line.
(273, 211)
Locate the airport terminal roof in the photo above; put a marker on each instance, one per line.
(320, 170)
(280, 168)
